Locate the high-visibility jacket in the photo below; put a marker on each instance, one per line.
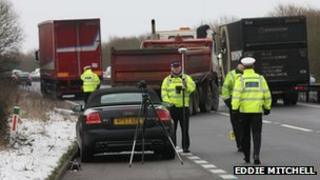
(170, 93)
(251, 93)
(228, 84)
(90, 81)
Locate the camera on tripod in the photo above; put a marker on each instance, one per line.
(142, 84)
(146, 109)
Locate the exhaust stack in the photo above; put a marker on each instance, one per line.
(153, 29)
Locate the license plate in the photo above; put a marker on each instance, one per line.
(127, 121)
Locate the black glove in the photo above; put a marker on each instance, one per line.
(178, 89)
(228, 102)
(266, 111)
(235, 111)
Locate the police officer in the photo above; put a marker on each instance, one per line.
(227, 89)
(90, 81)
(251, 97)
(172, 93)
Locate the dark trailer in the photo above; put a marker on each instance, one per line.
(279, 45)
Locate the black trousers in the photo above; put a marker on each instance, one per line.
(251, 122)
(177, 116)
(235, 123)
(86, 96)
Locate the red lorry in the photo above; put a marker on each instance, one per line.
(152, 64)
(65, 47)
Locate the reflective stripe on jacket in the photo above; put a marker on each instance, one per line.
(90, 81)
(251, 93)
(228, 84)
(170, 94)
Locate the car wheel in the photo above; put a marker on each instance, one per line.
(168, 152)
(85, 153)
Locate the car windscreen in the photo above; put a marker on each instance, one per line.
(121, 98)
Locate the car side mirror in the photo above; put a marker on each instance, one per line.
(77, 108)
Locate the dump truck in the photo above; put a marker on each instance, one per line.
(279, 45)
(65, 47)
(152, 63)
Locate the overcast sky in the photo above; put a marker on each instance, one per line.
(132, 17)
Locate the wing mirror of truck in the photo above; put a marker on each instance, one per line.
(36, 55)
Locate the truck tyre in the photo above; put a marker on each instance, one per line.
(43, 89)
(196, 100)
(290, 98)
(206, 98)
(191, 104)
(215, 97)
(274, 101)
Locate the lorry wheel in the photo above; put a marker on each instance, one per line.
(196, 100)
(206, 98)
(290, 98)
(274, 101)
(191, 104)
(215, 97)
(43, 89)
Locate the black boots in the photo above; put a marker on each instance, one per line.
(256, 160)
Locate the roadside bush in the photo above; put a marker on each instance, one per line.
(8, 91)
(32, 106)
(36, 107)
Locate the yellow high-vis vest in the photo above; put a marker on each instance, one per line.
(251, 93)
(90, 81)
(170, 94)
(228, 84)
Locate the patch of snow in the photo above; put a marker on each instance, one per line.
(38, 147)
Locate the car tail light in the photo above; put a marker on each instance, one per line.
(163, 114)
(93, 118)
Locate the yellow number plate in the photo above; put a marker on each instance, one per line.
(127, 121)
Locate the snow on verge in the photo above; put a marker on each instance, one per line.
(38, 149)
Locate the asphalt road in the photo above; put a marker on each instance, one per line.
(291, 137)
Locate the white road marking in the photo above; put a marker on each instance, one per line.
(309, 105)
(223, 114)
(207, 166)
(296, 128)
(218, 171)
(267, 122)
(187, 154)
(210, 167)
(228, 176)
(201, 161)
(193, 157)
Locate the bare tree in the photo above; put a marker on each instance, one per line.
(221, 21)
(10, 30)
(119, 43)
(288, 10)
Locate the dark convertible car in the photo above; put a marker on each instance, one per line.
(108, 122)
